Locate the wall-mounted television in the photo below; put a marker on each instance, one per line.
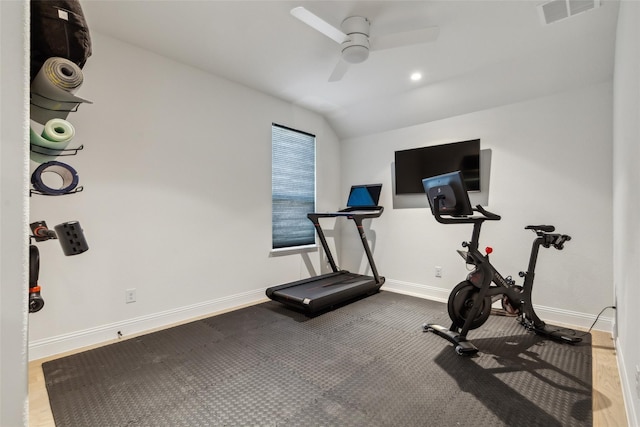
(413, 165)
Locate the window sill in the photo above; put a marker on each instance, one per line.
(293, 250)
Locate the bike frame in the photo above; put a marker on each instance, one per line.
(518, 297)
(485, 274)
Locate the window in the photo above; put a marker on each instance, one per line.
(293, 187)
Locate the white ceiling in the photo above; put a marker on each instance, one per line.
(488, 53)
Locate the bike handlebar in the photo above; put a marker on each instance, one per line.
(543, 231)
(555, 240)
(450, 219)
(488, 215)
(548, 238)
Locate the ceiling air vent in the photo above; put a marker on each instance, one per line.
(557, 10)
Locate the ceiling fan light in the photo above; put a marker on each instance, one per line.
(355, 54)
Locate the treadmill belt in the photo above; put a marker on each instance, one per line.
(319, 293)
(326, 286)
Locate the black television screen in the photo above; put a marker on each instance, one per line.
(412, 166)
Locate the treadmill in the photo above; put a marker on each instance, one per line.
(319, 293)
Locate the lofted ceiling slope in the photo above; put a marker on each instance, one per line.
(488, 53)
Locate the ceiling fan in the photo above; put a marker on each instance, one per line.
(355, 41)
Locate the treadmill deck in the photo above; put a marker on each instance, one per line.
(320, 292)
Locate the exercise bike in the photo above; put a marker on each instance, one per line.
(469, 303)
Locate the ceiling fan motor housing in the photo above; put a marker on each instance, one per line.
(356, 48)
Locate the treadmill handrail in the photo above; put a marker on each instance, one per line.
(357, 216)
(348, 212)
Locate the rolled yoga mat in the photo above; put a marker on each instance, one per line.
(53, 88)
(58, 130)
(55, 137)
(58, 79)
(67, 173)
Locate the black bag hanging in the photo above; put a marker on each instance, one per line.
(58, 28)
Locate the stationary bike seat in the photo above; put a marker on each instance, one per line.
(543, 228)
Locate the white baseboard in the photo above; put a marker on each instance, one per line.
(416, 290)
(551, 315)
(628, 389)
(106, 334)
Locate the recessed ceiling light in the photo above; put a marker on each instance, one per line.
(416, 76)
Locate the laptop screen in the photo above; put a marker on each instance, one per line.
(364, 195)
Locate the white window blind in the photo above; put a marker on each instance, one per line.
(293, 187)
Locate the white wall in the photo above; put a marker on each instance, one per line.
(176, 203)
(626, 202)
(131, 170)
(550, 164)
(13, 219)
(145, 220)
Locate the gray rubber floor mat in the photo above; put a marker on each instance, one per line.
(364, 364)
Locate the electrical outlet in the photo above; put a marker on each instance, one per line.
(438, 271)
(130, 295)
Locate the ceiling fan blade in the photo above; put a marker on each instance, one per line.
(318, 24)
(405, 38)
(339, 71)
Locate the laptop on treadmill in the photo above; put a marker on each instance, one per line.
(363, 198)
